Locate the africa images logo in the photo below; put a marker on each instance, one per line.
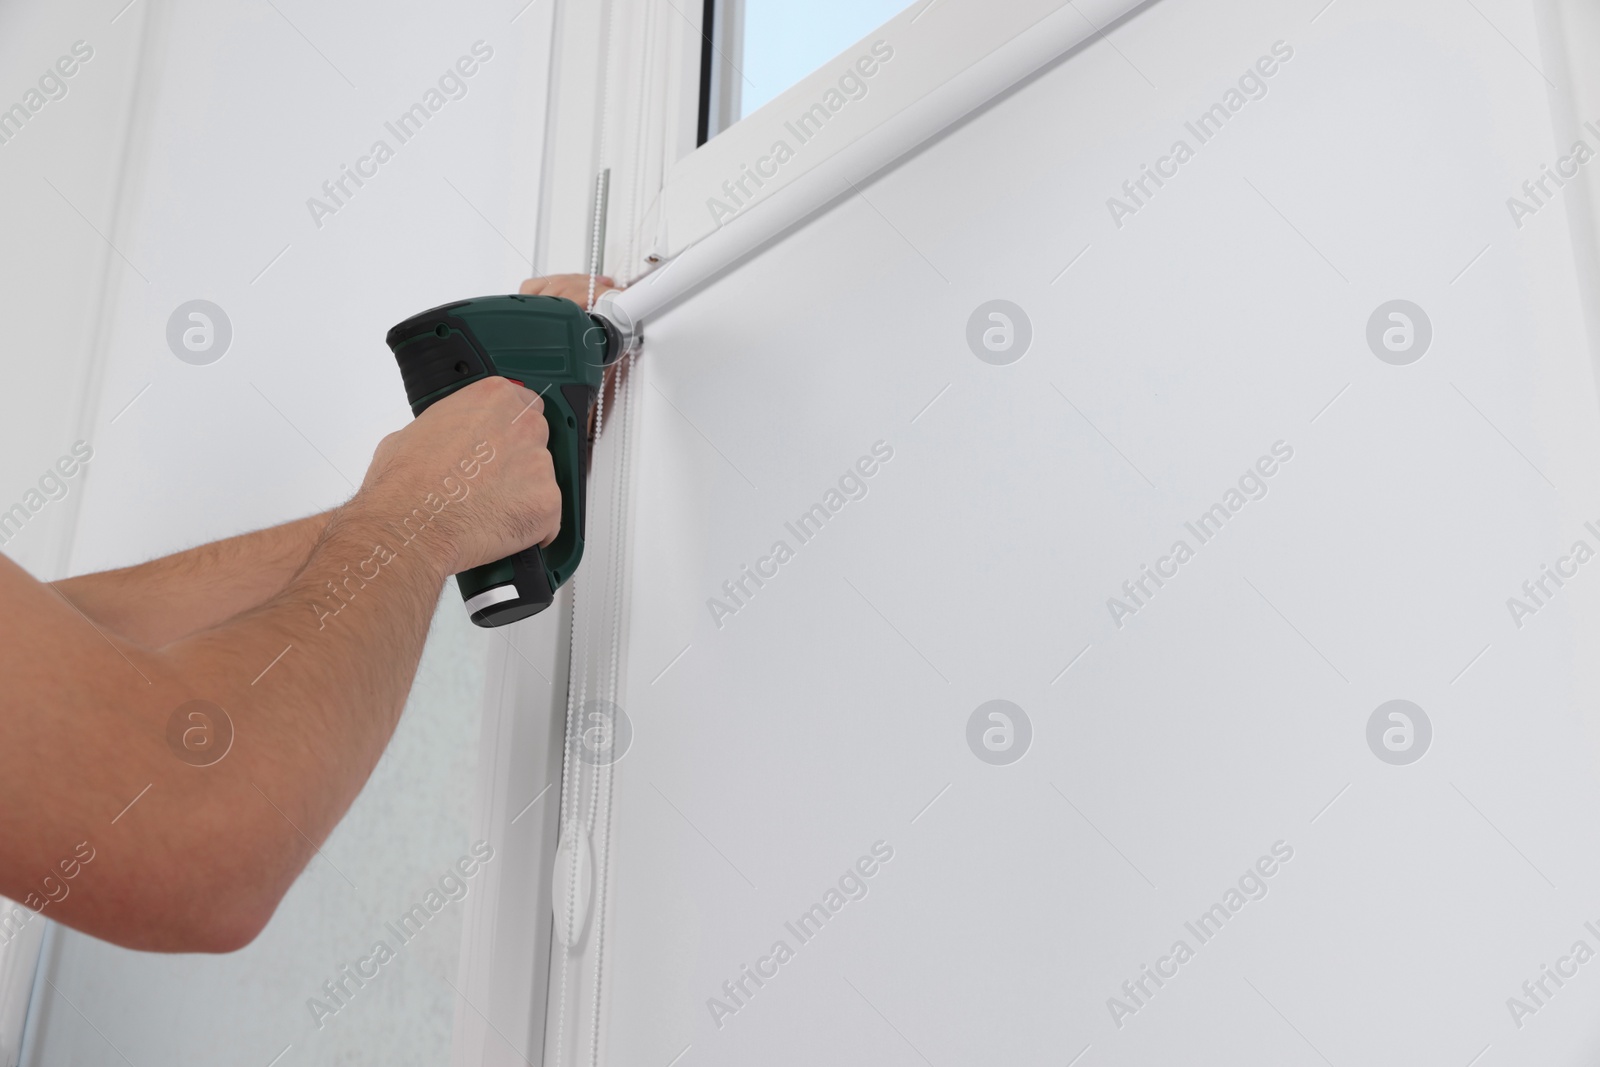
(852, 485)
(804, 127)
(850, 886)
(199, 733)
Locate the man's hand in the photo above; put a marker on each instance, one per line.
(495, 426)
(575, 287)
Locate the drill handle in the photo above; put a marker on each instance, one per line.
(524, 584)
(507, 589)
(546, 343)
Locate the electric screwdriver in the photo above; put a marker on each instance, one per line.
(550, 345)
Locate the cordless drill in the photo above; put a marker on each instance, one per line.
(560, 351)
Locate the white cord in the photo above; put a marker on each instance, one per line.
(574, 668)
(606, 779)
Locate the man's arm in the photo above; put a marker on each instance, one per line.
(156, 603)
(196, 858)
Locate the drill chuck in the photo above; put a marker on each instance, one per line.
(622, 333)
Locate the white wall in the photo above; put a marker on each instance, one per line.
(51, 277)
(62, 163)
(246, 111)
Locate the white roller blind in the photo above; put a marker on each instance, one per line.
(918, 73)
(1208, 757)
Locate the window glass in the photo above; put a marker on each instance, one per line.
(784, 41)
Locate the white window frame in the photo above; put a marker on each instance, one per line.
(721, 66)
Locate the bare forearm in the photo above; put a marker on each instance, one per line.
(166, 599)
(306, 697)
(325, 664)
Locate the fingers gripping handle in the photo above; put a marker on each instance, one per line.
(508, 589)
(524, 584)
